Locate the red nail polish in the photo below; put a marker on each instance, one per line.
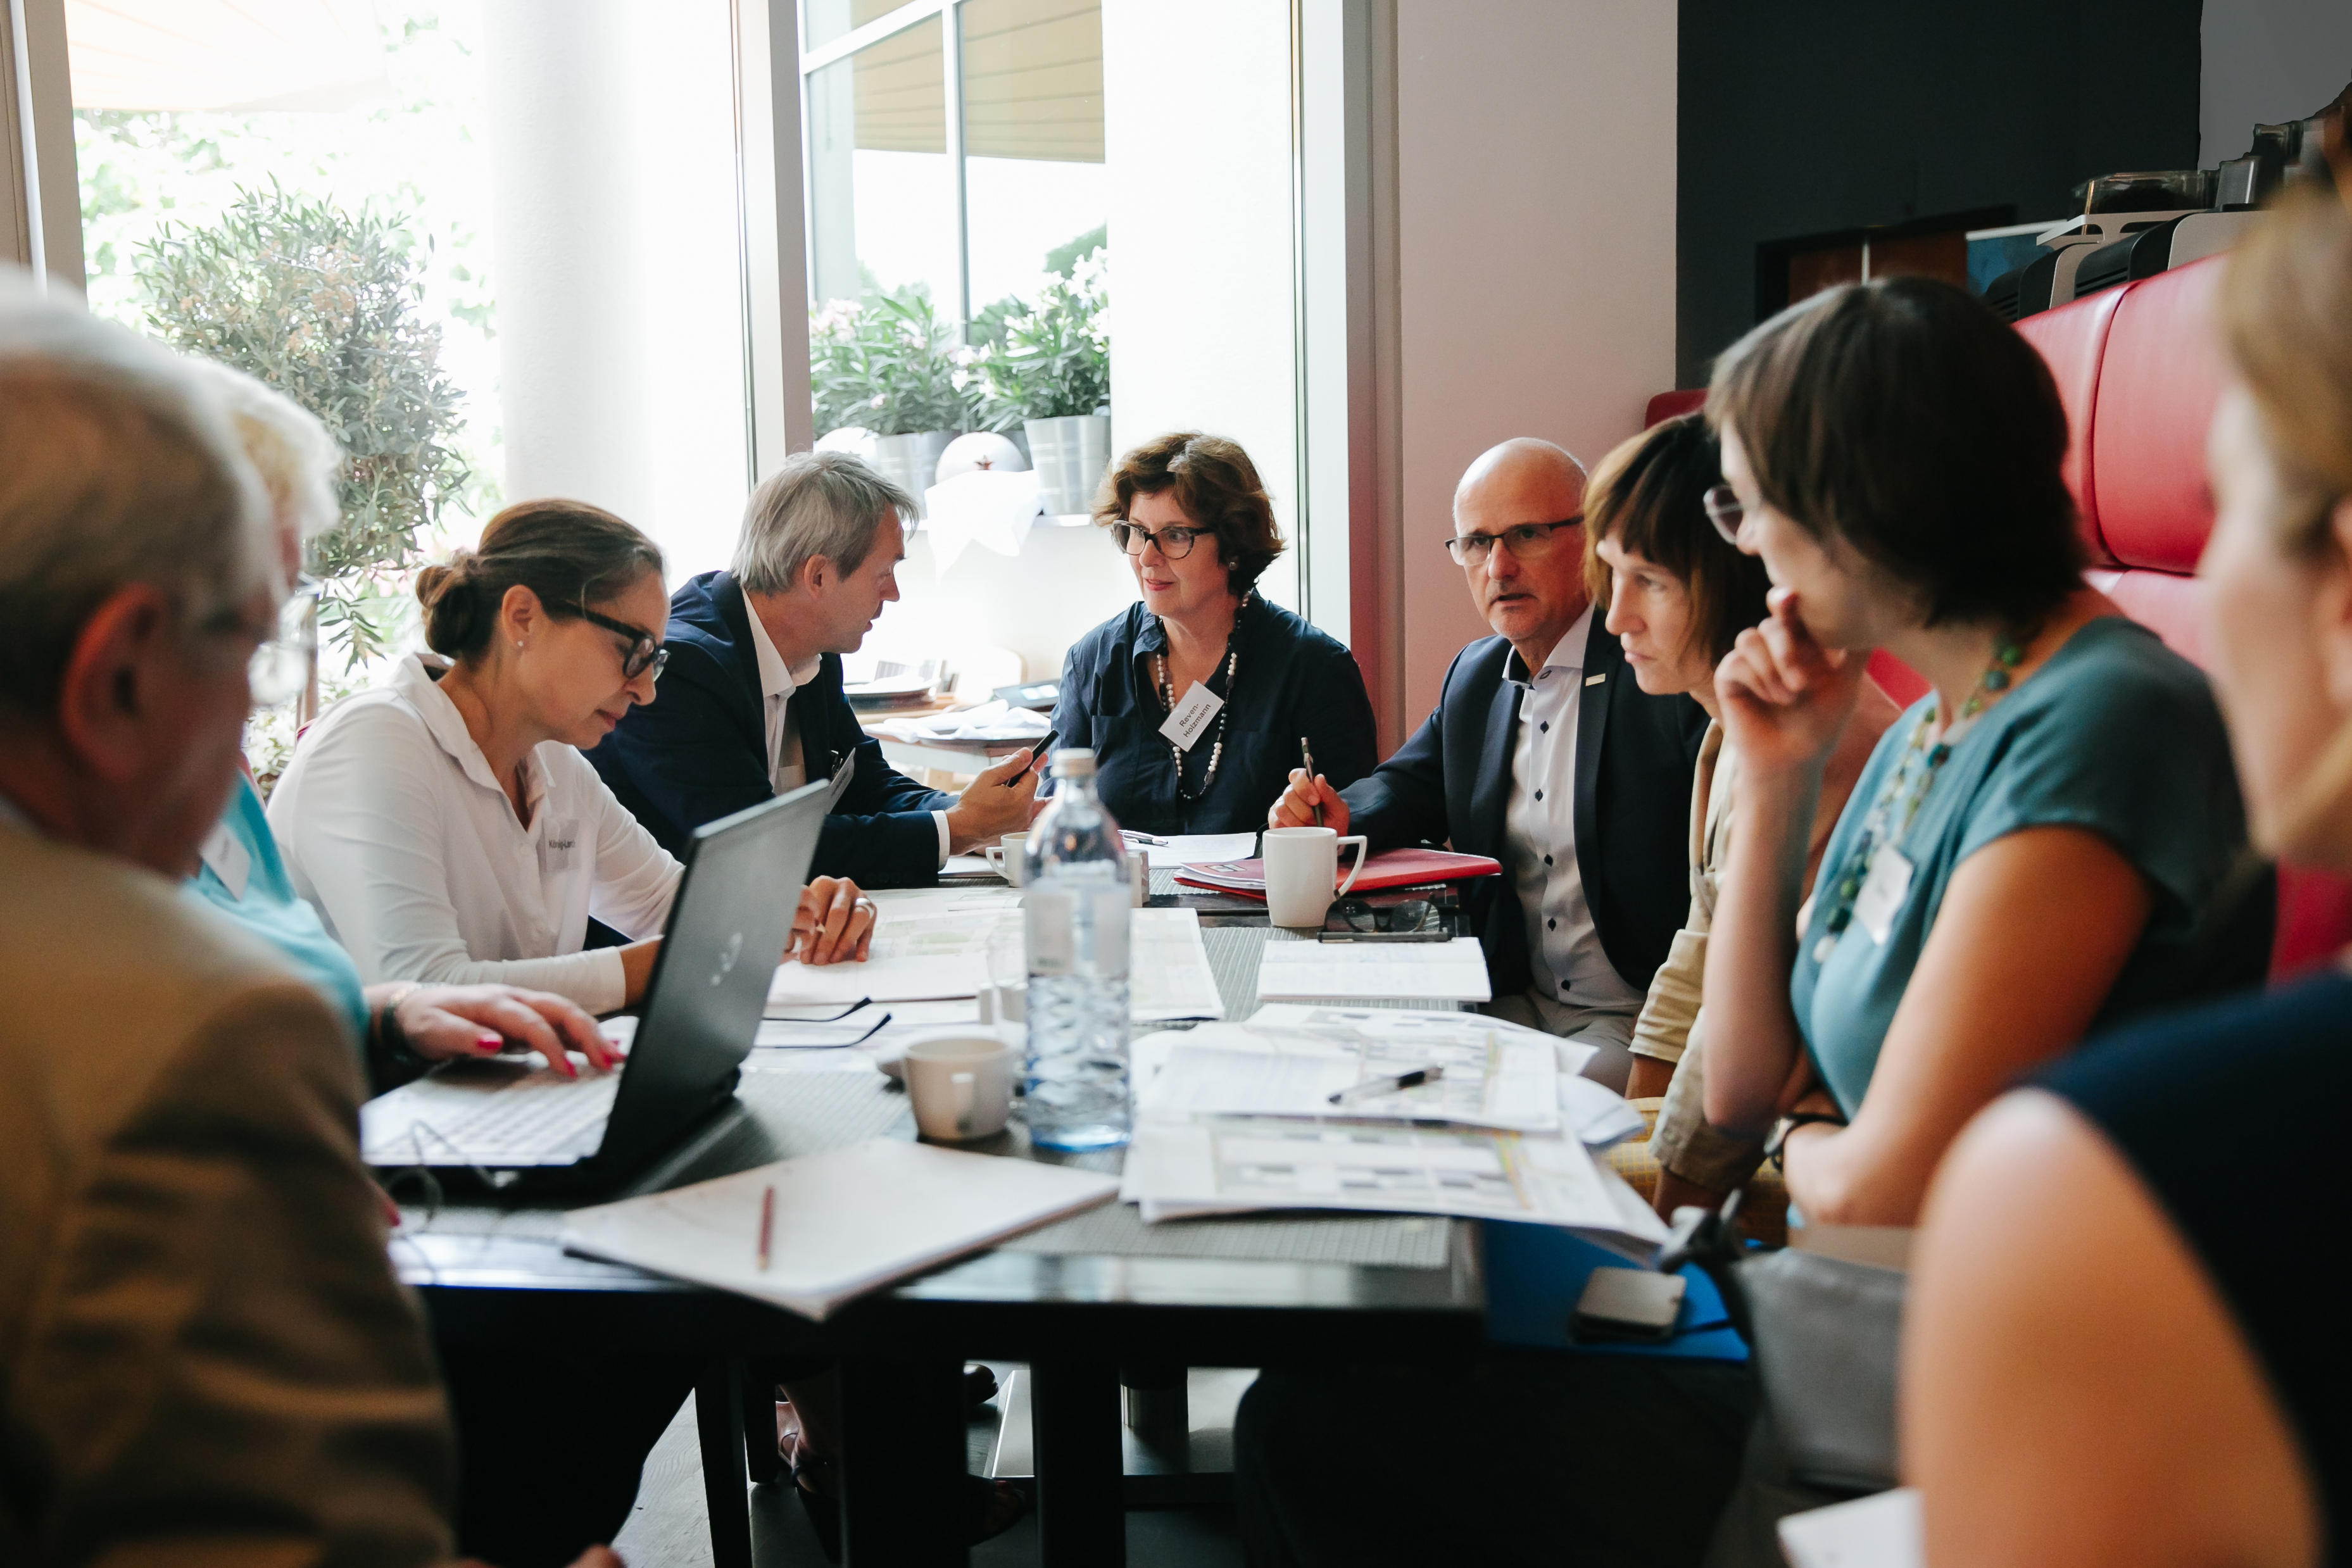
(487, 1044)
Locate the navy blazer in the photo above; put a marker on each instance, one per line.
(1290, 681)
(1451, 783)
(699, 751)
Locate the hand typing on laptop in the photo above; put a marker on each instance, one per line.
(835, 924)
(443, 1023)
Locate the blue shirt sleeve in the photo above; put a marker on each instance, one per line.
(270, 909)
(2139, 756)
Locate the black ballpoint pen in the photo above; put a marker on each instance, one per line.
(1374, 1086)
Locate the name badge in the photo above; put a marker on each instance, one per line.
(1882, 893)
(841, 778)
(1192, 717)
(560, 850)
(228, 860)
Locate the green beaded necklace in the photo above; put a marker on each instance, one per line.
(1906, 789)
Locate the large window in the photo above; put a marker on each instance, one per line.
(956, 148)
(493, 241)
(543, 246)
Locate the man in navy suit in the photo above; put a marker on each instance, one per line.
(751, 702)
(1547, 756)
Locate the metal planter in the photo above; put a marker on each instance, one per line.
(912, 462)
(1070, 456)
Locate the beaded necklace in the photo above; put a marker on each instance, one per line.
(1167, 684)
(1906, 789)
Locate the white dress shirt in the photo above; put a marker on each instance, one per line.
(787, 762)
(395, 827)
(1571, 974)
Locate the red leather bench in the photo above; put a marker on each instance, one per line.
(2139, 369)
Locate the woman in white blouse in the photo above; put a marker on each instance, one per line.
(446, 826)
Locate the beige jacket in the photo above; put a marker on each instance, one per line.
(1670, 1014)
(204, 1355)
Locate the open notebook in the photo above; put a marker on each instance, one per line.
(846, 1221)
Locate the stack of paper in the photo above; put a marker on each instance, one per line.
(989, 721)
(1232, 1117)
(1452, 971)
(1222, 1163)
(1185, 848)
(1490, 1079)
(937, 948)
(845, 1222)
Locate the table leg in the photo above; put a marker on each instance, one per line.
(718, 1421)
(761, 1459)
(1081, 1505)
(903, 1463)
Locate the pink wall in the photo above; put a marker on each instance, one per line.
(1535, 240)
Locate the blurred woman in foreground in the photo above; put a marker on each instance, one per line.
(2122, 1344)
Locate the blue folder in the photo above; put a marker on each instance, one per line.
(1535, 1272)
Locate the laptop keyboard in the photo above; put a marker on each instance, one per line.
(537, 1120)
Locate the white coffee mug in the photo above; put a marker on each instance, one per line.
(1009, 858)
(961, 1086)
(1301, 865)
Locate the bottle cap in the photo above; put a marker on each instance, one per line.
(1073, 762)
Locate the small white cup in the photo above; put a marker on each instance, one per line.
(961, 1086)
(1301, 865)
(1009, 859)
(1138, 877)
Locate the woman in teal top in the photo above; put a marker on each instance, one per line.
(2116, 735)
(2035, 849)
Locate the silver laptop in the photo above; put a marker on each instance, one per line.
(512, 1120)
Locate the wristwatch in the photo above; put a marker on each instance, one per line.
(1778, 1142)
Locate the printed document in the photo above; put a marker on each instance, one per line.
(1267, 1163)
(1489, 1080)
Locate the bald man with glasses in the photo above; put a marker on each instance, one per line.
(1545, 754)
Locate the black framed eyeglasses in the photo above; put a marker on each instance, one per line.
(1724, 510)
(1526, 541)
(1175, 542)
(644, 653)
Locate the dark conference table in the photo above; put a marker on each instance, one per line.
(1075, 1300)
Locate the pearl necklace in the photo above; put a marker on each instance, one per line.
(1217, 750)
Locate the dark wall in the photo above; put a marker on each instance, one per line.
(1801, 117)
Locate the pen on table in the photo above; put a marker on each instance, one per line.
(1034, 752)
(1307, 758)
(1384, 936)
(1373, 1087)
(767, 1225)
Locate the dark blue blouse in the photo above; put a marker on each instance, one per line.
(1289, 680)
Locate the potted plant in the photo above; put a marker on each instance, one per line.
(1049, 376)
(883, 364)
(324, 306)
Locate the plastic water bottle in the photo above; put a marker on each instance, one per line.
(1077, 914)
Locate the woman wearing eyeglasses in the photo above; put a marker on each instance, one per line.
(445, 824)
(1246, 683)
(2035, 849)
